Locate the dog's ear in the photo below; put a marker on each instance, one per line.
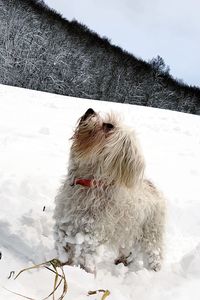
(90, 112)
(126, 163)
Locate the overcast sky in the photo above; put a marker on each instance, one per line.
(145, 28)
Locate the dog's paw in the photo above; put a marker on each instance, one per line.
(155, 266)
(121, 260)
(154, 261)
(125, 260)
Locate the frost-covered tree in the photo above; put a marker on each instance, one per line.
(159, 65)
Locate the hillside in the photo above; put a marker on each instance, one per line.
(40, 50)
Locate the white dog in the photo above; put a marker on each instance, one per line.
(105, 198)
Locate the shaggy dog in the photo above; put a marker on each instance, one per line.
(105, 199)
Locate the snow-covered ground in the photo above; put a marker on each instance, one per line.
(35, 128)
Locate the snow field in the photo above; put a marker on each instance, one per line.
(35, 129)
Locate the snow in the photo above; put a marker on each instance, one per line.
(35, 129)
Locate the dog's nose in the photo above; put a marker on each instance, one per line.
(90, 112)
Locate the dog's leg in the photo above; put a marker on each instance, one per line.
(65, 249)
(89, 253)
(152, 243)
(75, 247)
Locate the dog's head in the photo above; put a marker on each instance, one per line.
(111, 149)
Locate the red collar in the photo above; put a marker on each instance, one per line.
(87, 182)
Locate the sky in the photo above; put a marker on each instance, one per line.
(145, 28)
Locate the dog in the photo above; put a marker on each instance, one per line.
(105, 199)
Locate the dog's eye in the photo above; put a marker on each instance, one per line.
(108, 126)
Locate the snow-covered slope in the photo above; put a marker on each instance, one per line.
(35, 128)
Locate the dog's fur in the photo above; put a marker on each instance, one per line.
(122, 210)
